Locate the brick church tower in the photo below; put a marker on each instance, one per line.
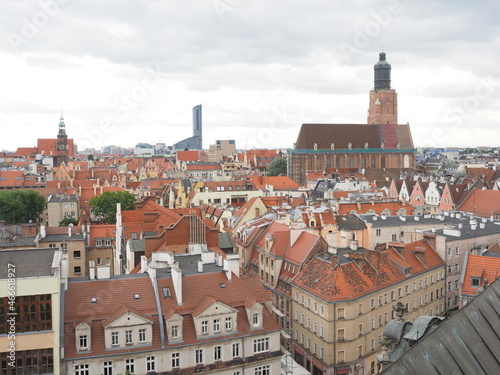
(62, 144)
(383, 100)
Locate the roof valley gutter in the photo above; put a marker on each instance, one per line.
(158, 307)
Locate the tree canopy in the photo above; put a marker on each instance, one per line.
(104, 206)
(67, 221)
(21, 206)
(277, 167)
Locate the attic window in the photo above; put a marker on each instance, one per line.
(137, 296)
(166, 292)
(475, 282)
(222, 285)
(93, 300)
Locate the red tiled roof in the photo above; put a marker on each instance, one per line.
(483, 203)
(357, 278)
(123, 310)
(323, 135)
(486, 268)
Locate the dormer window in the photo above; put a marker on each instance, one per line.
(229, 324)
(82, 336)
(83, 342)
(475, 282)
(204, 327)
(114, 339)
(255, 319)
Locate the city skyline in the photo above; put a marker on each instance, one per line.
(125, 73)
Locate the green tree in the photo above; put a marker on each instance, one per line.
(277, 167)
(90, 157)
(67, 221)
(104, 206)
(21, 206)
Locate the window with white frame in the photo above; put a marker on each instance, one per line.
(261, 345)
(322, 310)
(263, 370)
(114, 339)
(150, 364)
(174, 331)
(83, 342)
(378, 232)
(321, 331)
(236, 349)
(130, 365)
(108, 368)
(216, 325)
(198, 356)
(217, 353)
(229, 324)
(255, 319)
(142, 335)
(128, 337)
(176, 360)
(81, 369)
(204, 327)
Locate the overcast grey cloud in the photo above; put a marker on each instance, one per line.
(130, 71)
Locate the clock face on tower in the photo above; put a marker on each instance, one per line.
(62, 146)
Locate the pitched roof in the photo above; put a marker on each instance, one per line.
(466, 343)
(323, 135)
(486, 268)
(350, 275)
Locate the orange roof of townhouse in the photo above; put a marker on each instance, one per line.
(10, 179)
(486, 173)
(380, 208)
(351, 275)
(100, 231)
(277, 182)
(188, 155)
(203, 166)
(485, 269)
(483, 203)
(25, 151)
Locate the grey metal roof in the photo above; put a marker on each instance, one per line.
(466, 343)
(27, 262)
(346, 222)
(136, 245)
(225, 241)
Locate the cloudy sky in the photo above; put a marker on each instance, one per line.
(127, 71)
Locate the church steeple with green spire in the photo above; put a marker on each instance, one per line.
(62, 126)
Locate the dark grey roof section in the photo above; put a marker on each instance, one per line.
(466, 343)
(225, 241)
(136, 245)
(346, 222)
(62, 237)
(27, 262)
(188, 263)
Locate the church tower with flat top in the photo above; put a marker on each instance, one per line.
(383, 99)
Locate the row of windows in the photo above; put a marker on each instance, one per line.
(307, 303)
(259, 345)
(33, 313)
(307, 323)
(216, 324)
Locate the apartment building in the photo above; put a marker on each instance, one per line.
(31, 282)
(343, 298)
(182, 314)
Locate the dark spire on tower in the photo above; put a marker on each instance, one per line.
(382, 73)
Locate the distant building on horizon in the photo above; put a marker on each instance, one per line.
(196, 141)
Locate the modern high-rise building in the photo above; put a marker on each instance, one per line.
(196, 141)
